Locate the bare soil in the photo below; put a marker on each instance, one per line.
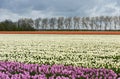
(62, 32)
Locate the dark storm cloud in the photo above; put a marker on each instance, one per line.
(15, 9)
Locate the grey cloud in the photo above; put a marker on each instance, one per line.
(107, 9)
(49, 8)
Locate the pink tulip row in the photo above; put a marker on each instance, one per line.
(16, 70)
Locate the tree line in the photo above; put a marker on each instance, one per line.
(62, 23)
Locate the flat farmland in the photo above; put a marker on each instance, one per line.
(91, 51)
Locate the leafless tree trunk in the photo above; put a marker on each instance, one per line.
(52, 23)
(115, 22)
(37, 23)
(44, 23)
(60, 23)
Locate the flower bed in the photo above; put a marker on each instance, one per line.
(16, 70)
(91, 51)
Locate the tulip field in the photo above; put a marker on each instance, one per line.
(44, 56)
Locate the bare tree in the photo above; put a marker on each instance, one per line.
(106, 22)
(76, 21)
(119, 22)
(110, 22)
(37, 23)
(101, 21)
(68, 23)
(30, 22)
(52, 23)
(91, 23)
(60, 23)
(84, 24)
(25, 24)
(20, 23)
(87, 22)
(44, 23)
(115, 19)
(96, 23)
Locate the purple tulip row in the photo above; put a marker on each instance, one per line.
(16, 70)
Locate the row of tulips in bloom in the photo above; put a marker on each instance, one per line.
(16, 70)
(92, 51)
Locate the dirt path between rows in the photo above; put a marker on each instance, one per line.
(62, 32)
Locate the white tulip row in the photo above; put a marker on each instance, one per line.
(78, 50)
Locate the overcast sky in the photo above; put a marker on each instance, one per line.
(15, 9)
